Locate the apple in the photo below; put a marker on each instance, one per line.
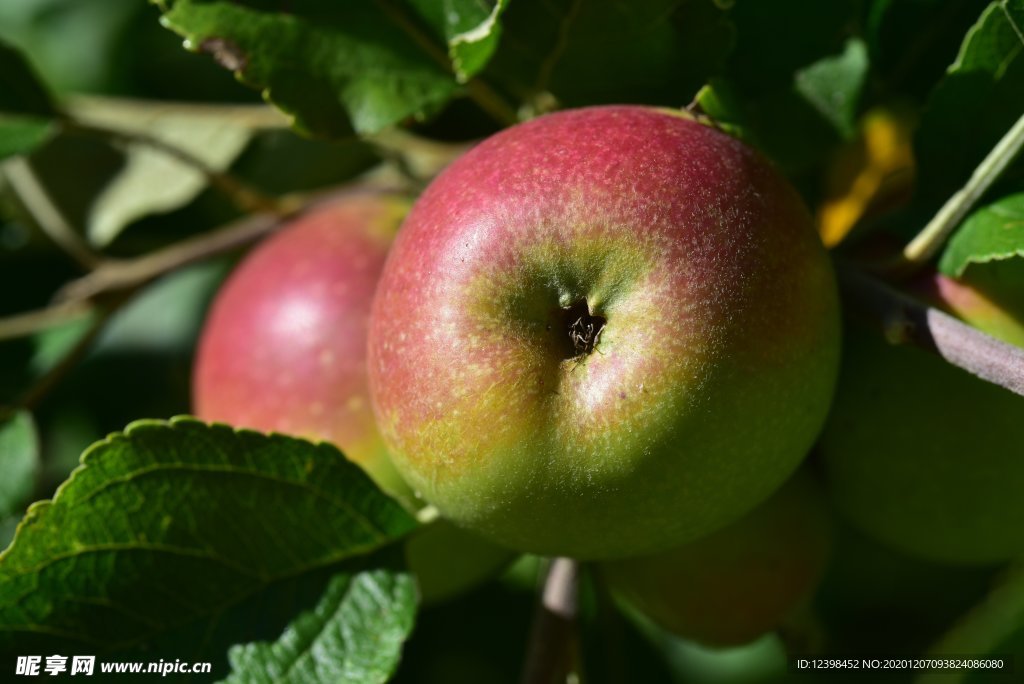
(923, 456)
(740, 582)
(284, 345)
(603, 332)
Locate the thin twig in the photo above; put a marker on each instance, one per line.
(958, 343)
(48, 380)
(119, 275)
(105, 110)
(548, 656)
(930, 239)
(30, 322)
(41, 207)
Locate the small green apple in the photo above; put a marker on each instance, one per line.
(738, 583)
(922, 455)
(603, 332)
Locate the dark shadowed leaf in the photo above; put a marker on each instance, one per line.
(992, 233)
(112, 561)
(655, 52)
(911, 44)
(795, 100)
(979, 99)
(993, 628)
(27, 114)
(353, 636)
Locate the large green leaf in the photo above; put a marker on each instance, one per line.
(27, 114)
(168, 526)
(353, 636)
(978, 100)
(331, 65)
(992, 233)
(19, 461)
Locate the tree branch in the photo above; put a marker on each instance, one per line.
(933, 235)
(905, 319)
(120, 275)
(548, 656)
(30, 322)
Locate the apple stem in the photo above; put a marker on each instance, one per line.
(553, 633)
(903, 320)
(931, 238)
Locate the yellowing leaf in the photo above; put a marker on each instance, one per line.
(877, 166)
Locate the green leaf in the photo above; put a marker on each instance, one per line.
(995, 627)
(113, 560)
(19, 461)
(353, 636)
(832, 85)
(992, 233)
(331, 65)
(911, 44)
(471, 29)
(978, 100)
(27, 114)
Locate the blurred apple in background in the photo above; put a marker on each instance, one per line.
(284, 349)
(740, 582)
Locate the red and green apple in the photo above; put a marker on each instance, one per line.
(603, 332)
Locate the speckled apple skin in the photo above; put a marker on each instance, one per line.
(740, 582)
(284, 345)
(710, 380)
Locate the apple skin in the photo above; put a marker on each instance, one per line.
(740, 582)
(921, 455)
(284, 346)
(707, 385)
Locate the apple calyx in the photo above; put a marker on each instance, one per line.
(582, 327)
